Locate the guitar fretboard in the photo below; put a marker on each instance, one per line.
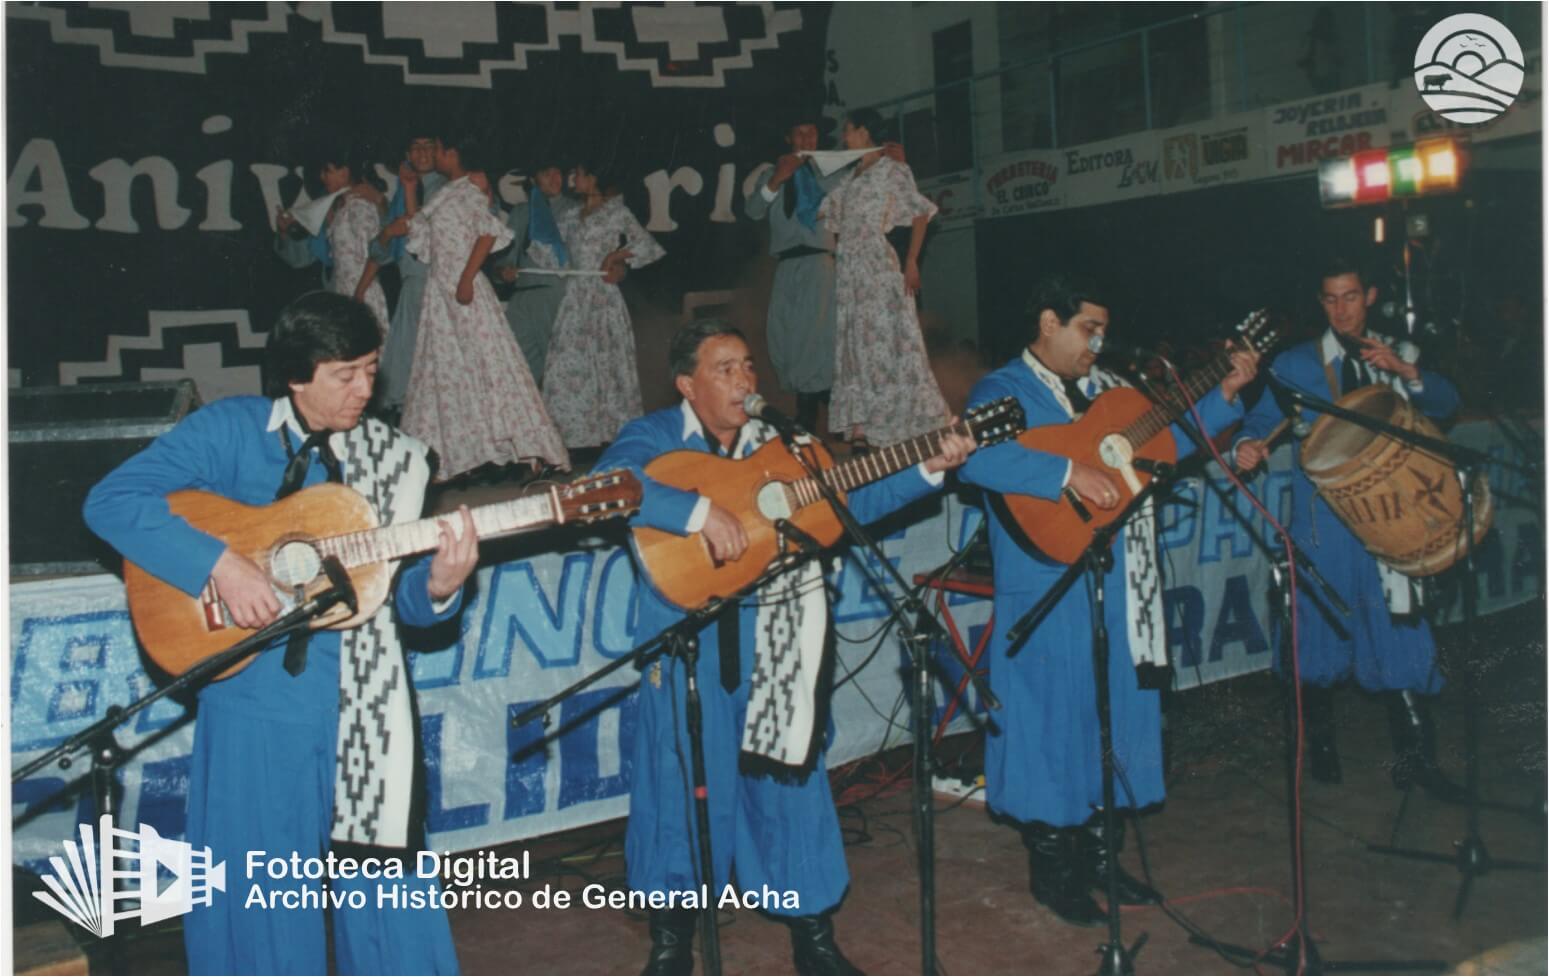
(423, 535)
(877, 464)
(1175, 402)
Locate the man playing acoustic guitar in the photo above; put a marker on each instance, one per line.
(1043, 766)
(315, 741)
(775, 823)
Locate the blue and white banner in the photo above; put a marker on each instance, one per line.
(535, 626)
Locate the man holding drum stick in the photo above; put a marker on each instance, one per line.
(1390, 649)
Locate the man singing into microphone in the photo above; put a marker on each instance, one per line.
(776, 826)
(1043, 766)
(1389, 648)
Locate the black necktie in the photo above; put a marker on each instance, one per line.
(1349, 374)
(296, 471)
(728, 641)
(1079, 401)
(295, 474)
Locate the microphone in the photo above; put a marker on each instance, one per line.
(1300, 427)
(1100, 345)
(754, 405)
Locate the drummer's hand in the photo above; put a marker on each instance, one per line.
(1379, 354)
(1250, 454)
(724, 535)
(1245, 366)
(1093, 486)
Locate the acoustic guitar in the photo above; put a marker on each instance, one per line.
(1122, 434)
(289, 539)
(771, 484)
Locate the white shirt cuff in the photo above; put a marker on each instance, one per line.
(933, 478)
(1417, 385)
(1070, 466)
(700, 515)
(445, 604)
(766, 193)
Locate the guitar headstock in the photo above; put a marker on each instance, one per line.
(603, 496)
(997, 421)
(1258, 332)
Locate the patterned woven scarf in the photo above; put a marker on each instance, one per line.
(1142, 576)
(374, 774)
(792, 627)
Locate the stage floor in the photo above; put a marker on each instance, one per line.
(1218, 850)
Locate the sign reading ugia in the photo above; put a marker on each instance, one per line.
(1469, 68)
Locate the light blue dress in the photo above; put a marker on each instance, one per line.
(535, 300)
(398, 353)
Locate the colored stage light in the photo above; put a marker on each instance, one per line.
(1441, 162)
(1336, 182)
(1379, 175)
(1371, 170)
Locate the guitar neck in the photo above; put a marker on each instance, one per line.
(878, 464)
(1175, 402)
(423, 535)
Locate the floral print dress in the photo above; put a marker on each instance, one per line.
(882, 377)
(591, 382)
(351, 226)
(471, 396)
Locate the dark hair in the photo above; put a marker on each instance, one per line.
(608, 181)
(870, 120)
(1063, 295)
(1340, 264)
(472, 146)
(683, 351)
(318, 327)
(355, 158)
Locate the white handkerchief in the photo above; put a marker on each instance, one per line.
(829, 160)
(311, 214)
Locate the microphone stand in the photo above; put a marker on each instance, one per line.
(1471, 857)
(1297, 953)
(916, 635)
(1097, 560)
(681, 640)
(107, 754)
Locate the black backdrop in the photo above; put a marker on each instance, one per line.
(251, 85)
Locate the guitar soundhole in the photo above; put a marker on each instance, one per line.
(295, 564)
(774, 501)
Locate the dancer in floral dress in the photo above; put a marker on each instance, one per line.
(471, 396)
(591, 383)
(356, 218)
(884, 390)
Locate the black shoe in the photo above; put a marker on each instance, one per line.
(672, 942)
(1318, 728)
(813, 949)
(1059, 874)
(1132, 891)
(1414, 749)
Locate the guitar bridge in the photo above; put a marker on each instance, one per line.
(1077, 504)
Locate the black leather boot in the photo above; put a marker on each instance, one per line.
(813, 948)
(1132, 891)
(1318, 718)
(1059, 874)
(672, 941)
(1414, 748)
